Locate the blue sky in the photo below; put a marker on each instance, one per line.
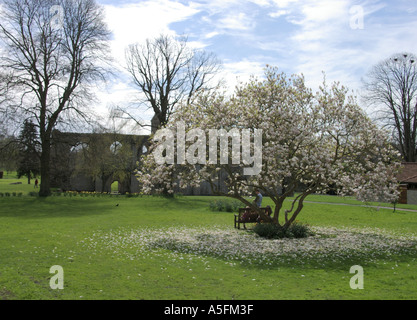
(342, 38)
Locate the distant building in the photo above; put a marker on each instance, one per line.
(84, 161)
(408, 183)
(87, 162)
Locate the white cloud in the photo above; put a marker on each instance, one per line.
(212, 34)
(239, 21)
(279, 13)
(261, 3)
(308, 36)
(214, 7)
(235, 72)
(283, 3)
(323, 40)
(325, 10)
(135, 22)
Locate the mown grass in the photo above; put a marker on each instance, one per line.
(36, 234)
(10, 183)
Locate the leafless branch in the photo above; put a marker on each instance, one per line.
(169, 73)
(51, 69)
(391, 87)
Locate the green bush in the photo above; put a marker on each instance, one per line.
(225, 206)
(272, 231)
(213, 205)
(299, 230)
(268, 230)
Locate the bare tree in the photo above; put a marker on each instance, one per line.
(54, 51)
(167, 72)
(391, 86)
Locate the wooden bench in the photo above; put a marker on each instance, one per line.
(247, 215)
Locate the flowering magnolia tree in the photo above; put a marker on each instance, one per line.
(300, 141)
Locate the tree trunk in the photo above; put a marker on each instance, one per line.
(104, 179)
(278, 207)
(300, 207)
(45, 188)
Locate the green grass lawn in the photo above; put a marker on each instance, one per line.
(10, 183)
(177, 249)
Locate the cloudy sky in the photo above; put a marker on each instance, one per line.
(342, 38)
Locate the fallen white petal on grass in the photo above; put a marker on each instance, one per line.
(328, 244)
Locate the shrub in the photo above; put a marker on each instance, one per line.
(268, 230)
(299, 230)
(224, 206)
(272, 231)
(232, 206)
(214, 205)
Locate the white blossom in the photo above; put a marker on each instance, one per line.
(311, 143)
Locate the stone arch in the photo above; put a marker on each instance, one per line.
(115, 147)
(115, 187)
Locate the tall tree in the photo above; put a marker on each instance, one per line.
(391, 86)
(29, 164)
(55, 50)
(168, 73)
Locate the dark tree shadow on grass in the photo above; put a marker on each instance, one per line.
(36, 207)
